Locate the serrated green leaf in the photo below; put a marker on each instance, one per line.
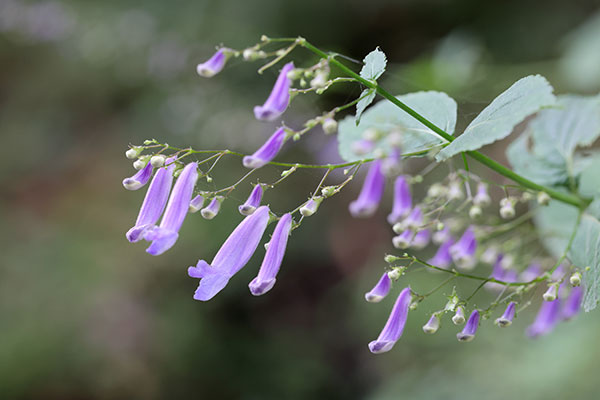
(525, 97)
(374, 65)
(366, 98)
(585, 254)
(388, 119)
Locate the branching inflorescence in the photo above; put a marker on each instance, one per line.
(456, 215)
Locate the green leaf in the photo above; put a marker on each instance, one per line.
(366, 98)
(589, 181)
(555, 223)
(525, 97)
(585, 254)
(374, 65)
(392, 123)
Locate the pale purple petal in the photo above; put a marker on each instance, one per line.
(138, 180)
(463, 251)
(402, 201)
(507, 318)
(196, 204)
(421, 239)
(442, 236)
(252, 202)
(442, 257)
(213, 66)
(572, 304)
(212, 209)
(380, 290)
(371, 193)
(279, 98)
(482, 198)
(533, 271)
(267, 152)
(546, 319)
(392, 331)
(468, 332)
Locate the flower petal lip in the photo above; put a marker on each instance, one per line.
(380, 290)
(213, 65)
(154, 202)
(392, 331)
(279, 98)
(267, 151)
(140, 179)
(269, 268)
(165, 235)
(370, 195)
(233, 255)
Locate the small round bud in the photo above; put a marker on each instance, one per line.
(250, 54)
(296, 137)
(320, 80)
(543, 198)
(302, 82)
(178, 171)
(455, 192)
(436, 190)
(475, 212)
(399, 227)
(507, 211)
(311, 206)
(264, 38)
(267, 246)
(526, 196)
(394, 274)
(440, 226)
(132, 153)
(294, 74)
(209, 178)
(261, 54)
(413, 306)
(328, 191)
(139, 164)
(330, 126)
(157, 161)
(575, 279)
(390, 258)
(552, 293)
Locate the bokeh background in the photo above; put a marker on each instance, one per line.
(86, 315)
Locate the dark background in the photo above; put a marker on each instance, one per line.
(86, 315)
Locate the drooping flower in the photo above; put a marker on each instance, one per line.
(165, 235)
(402, 201)
(442, 257)
(468, 332)
(507, 318)
(196, 204)
(380, 290)
(212, 209)
(278, 99)
(572, 304)
(370, 194)
(459, 316)
(413, 221)
(482, 198)
(252, 202)
(421, 239)
(311, 206)
(213, 65)
(442, 236)
(138, 180)
(546, 319)
(433, 324)
(498, 272)
(154, 203)
(267, 151)
(233, 255)
(392, 331)
(267, 274)
(403, 240)
(463, 251)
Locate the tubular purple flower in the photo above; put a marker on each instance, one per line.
(421, 239)
(164, 236)
(442, 257)
(463, 251)
(196, 204)
(138, 180)
(233, 255)
(394, 326)
(212, 209)
(371, 193)
(432, 325)
(278, 99)
(214, 65)
(311, 206)
(380, 290)
(545, 320)
(498, 272)
(267, 152)
(267, 274)
(154, 202)
(403, 240)
(442, 236)
(468, 332)
(413, 221)
(572, 304)
(402, 201)
(507, 318)
(253, 201)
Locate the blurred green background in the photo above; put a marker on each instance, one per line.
(86, 315)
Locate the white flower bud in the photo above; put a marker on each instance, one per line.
(139, 164)
(437, 190)
(507, 211)
(330, 126)
(157, 161)
(394, 274)
(320, 80)
(398, 227)
(575, 279)
(390, 259)
(475, 212)
(432, 325)
(459, 317)
(543, 198)
(249, 54)
(552, 293)
(455, 192)
(328, 191)
(132, 153)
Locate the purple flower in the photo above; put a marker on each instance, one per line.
(482, 198)
(442, 236)
(267, 152)
(394, 326)
(507, 318)
(233, 255)
(463, 251)
(371, 193)
(459, 316)
(380, 290)
(214, 65)
(498, 273)
(212, 209)
(421, 239)
(533, 271)
(139, 179)
(572, 304)
(163, 237)
(362, 147)
(432, 325)
(391, 165)
(442, 257)
(196, 204)
(546, 319)
(413, 221)
(403, 240)
(267, 274)
(278, 99)
(253, 201)
(468, 332)
(402, 201)
(311, 206)
(154, 202)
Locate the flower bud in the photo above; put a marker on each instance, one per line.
(454, 191)
(328, 191)
(320, 79)
(432, 325)
(437, 190)
(552, 293)
(132, 153)
(311, 206)
(507, 318)
(196, 204)
(482, 198)
(403, 240)
(250, 54)
(459, 316)
(507, 209)
(330, 126)
(395, 273)
(575, 279)
(212, 209)
(475, 212)
(157, 161)
(543, 198)
(139, 164)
